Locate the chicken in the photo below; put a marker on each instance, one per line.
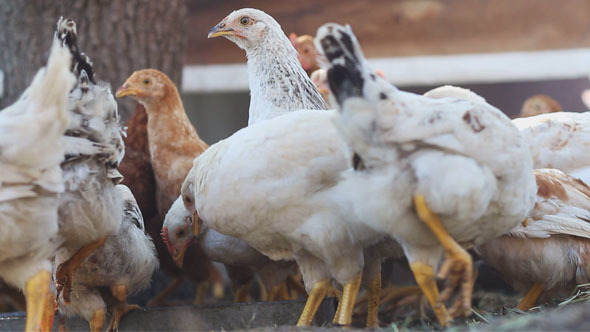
(31, 149)
(123, 265)
(172, 144)
(307, 54)
(549, 254)
(241, 260)
(435, 174)
(278, 84)
(586, 98)
(282, 203)
(539, 104)
(89, 208)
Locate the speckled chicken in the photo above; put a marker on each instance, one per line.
(167, 143)
(31, 150)
(547, 256)
(123, 265)
(435, 174)
(89, 208)
(241, 260)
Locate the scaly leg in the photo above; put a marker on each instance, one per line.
(241, 294)
(283, 292)
(40, 302)
(295, 286)
(458, 265)
(424, 275)
(531, 297)
(67, 268)
(122, 308)
(97, 321)
(315, 298)
(349, 294)
(158, 300)
(374, 295)
(201, 293)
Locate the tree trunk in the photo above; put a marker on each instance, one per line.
(119, 37)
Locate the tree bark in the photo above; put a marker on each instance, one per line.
(119, 36)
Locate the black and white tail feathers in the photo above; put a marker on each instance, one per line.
(66, 32)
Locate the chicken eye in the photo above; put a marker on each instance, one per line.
(187, 200)
(306, 50)
(146, 81)
(244, 20)
(180, 233)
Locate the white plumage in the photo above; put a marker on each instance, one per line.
(126, 259)
(463, 155)
(30, 177)
(551, 249)
(241, 260)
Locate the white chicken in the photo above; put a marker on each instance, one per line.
(124, 265)
(549, 254)
(30, 182)
(271, 184)
(240, 259)
(89, 208)
(423, 158)
(278, 83)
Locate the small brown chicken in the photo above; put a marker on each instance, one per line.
(539, 104)
(161, 144)
(306, 52)
(548, 255)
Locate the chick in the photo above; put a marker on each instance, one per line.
(123, 265)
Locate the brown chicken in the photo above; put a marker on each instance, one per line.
(306, 52)
(539, 104)
(147, 175)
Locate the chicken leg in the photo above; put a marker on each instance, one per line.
(458, 265)
(122, 308)
(66, 269)
(97, 320)
(315, 298)
(241, 294)
(424, 275)
(158, 300)
(346, 304)
(531, 297)
(40, 302)
(374, 295)
(201, 292)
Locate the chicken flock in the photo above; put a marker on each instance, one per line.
(92, 209)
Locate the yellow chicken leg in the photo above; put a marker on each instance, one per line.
(66, 269)
(347, 301)
(40, 302)
(97, 320)
(531, 297)
(424, 275)
(458, 265)
(315, 298)
(122, 308)
(201, 293)
(373, 298)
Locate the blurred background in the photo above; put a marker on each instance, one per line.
(504, 50)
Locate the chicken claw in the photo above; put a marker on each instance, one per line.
(458, 265)
(316, 296)
(66, 269)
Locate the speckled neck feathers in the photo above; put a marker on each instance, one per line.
(278, 83)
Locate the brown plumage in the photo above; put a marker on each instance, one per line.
(161, 145)
(539, 104)
(307, 54)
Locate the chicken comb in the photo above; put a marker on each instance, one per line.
(67, 33)
(164, 235)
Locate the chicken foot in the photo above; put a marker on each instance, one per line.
(66, 269)
(458, 265)
(531, 297)
(315, 298)
(40, 302)
(343, 315)
(424, 275)
(122, 308)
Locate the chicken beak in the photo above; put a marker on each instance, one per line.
(220, 30)
(126, 90)
(196, 224)
(178, 256)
